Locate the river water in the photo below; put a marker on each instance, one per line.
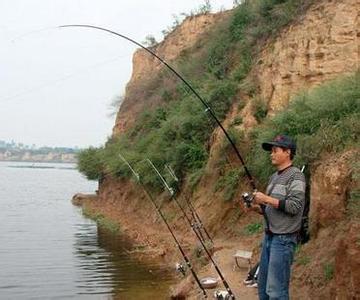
(49, 250)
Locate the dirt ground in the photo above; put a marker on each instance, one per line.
(233, 274)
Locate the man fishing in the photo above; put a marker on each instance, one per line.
(282, 207)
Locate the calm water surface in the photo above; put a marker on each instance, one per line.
(48, 250)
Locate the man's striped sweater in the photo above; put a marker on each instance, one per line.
(288, 186)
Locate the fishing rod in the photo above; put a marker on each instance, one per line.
(192, 209)
(187, 261)
(207, 106)
(172, 193)
(226, 285)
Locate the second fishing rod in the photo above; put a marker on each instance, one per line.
(171, 191)
(196, 218)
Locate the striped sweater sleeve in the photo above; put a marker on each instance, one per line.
(293, 202)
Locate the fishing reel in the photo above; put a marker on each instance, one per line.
(180, 269)
(248, 199)
(222, 295)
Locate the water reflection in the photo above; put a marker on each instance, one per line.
(107, 268)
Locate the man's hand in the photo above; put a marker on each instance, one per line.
(261, 198)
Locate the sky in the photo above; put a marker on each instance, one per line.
(57, 85)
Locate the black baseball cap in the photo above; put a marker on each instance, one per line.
(283, 141)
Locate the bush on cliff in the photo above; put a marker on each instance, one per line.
(90, 163)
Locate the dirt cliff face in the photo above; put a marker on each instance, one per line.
(145, 66)
(322, 45)
(329, 192)
(328, 266)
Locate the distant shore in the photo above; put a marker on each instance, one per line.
(46, 158)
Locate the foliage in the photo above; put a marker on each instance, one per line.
(176, 22)
(253, 228)
(218, 62)
(353, 205)
(102, 221)
(328, 271)
(221, 98)
(150, 41)
(115, 105)
(237, 121)
(303, 260)
(90, 163)
(256, 21)
(229, 183)
(204, 8)
(195, 177)
(260, 109)
(324, 119)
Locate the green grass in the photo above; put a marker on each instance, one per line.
(102, 221)
(328, 269)
(353, 205)
(303, 260)
(253, 228)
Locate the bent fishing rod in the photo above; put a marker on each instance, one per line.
(226, 285)
(192, 209)
(187, 261)
(207, 106)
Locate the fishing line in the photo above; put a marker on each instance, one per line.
(61, 79)
(32, 32)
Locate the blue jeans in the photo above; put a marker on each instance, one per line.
(275, 264)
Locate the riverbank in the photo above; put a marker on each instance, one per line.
(153, 243)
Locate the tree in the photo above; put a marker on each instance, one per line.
(115, 105)
(150, 41)
(205, 8)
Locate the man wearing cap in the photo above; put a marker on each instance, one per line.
(282, 207)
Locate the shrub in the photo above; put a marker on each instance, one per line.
(90, 163)
(221, 98)
(328, 271)
(195, 177)
(243, 16)
(229, 183)
(353, 205)
(303, 260)
(237, 121)
(260, 109)
(218, 61)
(253, 228)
